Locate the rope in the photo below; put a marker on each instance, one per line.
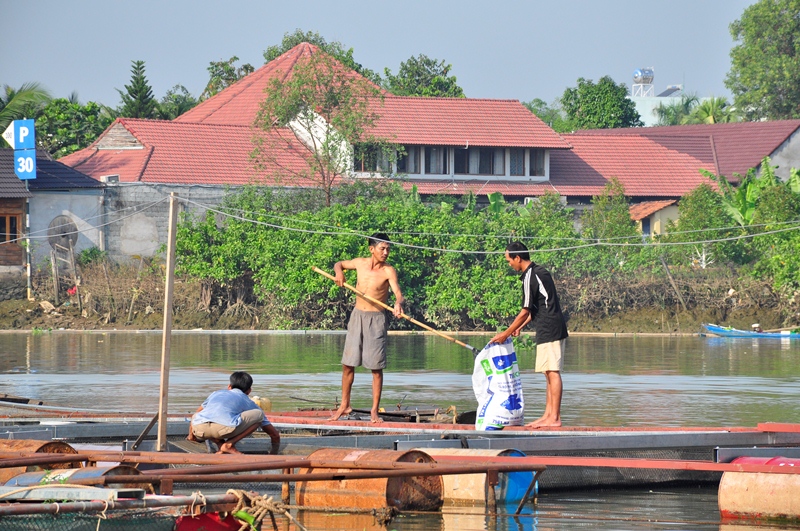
(258, 507)
(197, 497)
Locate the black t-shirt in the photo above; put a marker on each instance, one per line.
(540, 298)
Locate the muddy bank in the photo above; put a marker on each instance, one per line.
(33, 315)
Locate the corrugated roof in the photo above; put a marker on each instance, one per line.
(738, 146)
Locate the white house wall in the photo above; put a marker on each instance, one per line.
(84, 207)
(787, 156)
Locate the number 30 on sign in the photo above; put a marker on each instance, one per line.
(25, 163)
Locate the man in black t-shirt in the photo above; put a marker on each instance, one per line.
(540, 304)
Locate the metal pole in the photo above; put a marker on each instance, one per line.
(161, 443)
(28, 242)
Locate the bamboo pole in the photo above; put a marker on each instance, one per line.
(161, 443)
(403, 315)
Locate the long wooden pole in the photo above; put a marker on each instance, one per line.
(161, 443)
(403, 315)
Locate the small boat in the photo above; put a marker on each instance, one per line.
(727, 331)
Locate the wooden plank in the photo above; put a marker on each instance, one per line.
(778, 427)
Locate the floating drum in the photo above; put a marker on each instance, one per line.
(760, 495)
(470, 489)
(38, 447)
(46, 477)
(423, 493)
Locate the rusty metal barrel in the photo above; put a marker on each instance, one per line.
(469, 489)
(39, 447)
(45, 477)
(423, 493)
(760, 495)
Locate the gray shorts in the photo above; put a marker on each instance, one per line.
(366, 340)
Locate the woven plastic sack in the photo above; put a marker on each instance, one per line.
(498, 387)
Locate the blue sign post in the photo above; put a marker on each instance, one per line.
(22, 137)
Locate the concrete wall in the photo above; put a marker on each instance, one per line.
(137, 215)
(13, 283)
(83, 207)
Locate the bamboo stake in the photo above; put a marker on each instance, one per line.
(403, 315)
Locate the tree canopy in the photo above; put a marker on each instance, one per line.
(552, 114)
(765, 63)
(423, 76)
(175, 102)
(138, 100)
(318, 88)
(602, 105)
(23, 102)
(64, 125)
(335, 48)
(223, 74)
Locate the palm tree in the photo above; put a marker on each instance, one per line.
(675, 112)
(712, 111)
(21, 103)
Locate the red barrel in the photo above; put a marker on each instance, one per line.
(38, 447)
(760, 495)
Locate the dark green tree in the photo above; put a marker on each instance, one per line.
(423, 76)
(553, 115)
(600, 106)
(138, 100)
(64, 125)
(765, 63)
(223, 74)
(334, 48)
(175, 102)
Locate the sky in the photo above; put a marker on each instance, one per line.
(512, 49)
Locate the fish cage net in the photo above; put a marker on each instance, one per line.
(139, 520)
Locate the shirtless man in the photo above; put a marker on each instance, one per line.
(366, 332)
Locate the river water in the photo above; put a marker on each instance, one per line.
(608, 381)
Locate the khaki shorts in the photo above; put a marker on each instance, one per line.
(550, 356)
(212, 430)
(366, 340)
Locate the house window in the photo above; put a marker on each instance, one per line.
(479, 161)
(409, 161)
(435, 160)
(517, 162)
(9, 228)
(369, 159)
(646, 226)
(537, 163)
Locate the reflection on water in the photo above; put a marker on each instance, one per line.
(670, 381)
(687, 381)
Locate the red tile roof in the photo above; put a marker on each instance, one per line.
(406, 120)
(463, 122)
(239, 103)
(737, 147)
(643, 166)
(644, 209)
(189, 153)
